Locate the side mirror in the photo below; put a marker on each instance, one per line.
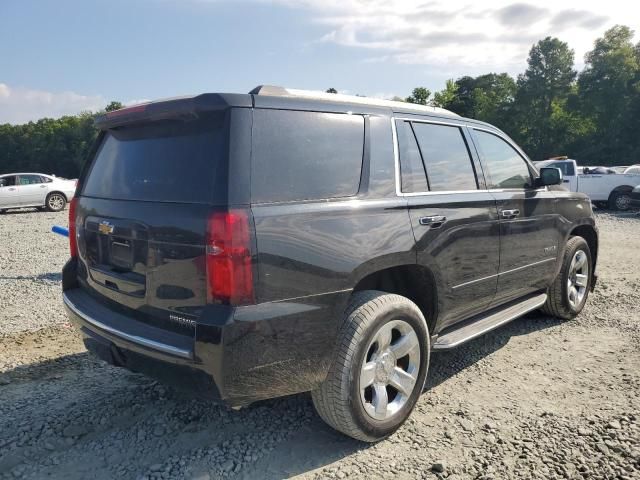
(549, 176)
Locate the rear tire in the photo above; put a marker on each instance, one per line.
(570, 290)
(379, 369)
(55, 202)
(620, 201)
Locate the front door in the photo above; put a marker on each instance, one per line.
(32, 189)
(454, 218)
(529, 230)
(9, 194)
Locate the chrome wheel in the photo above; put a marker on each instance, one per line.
(56, 202)
(578, 280)
(390, 369)
(623, 202)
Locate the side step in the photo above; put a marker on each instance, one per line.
(486, 322)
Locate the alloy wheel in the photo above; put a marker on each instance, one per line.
(56, 202)
(578, 280)
(390, 369)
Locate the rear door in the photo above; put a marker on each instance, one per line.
(453, 217)
(143, 212)
(529, 229)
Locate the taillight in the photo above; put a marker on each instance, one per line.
(73, 240)
(229, 265)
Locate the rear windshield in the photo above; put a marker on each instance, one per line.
(170, 161)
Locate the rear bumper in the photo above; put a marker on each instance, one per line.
(170, 362)
(236, 355)
(83, 317)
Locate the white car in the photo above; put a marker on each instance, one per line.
(633, 169)
(18, 190)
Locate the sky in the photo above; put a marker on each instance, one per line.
(61, 57)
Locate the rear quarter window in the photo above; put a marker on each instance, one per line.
(305, 155)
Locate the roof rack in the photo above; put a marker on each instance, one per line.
(277, 91)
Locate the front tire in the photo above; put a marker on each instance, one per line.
(569, 291)
(55, 202)
(380, 367)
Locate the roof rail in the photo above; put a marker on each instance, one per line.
(277, 91)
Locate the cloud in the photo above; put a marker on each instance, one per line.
(461, 36)
(580, 18)
(519, 14)
(21, 105)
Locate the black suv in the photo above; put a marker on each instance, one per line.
(259, 245)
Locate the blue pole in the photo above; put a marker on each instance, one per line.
(60, 230)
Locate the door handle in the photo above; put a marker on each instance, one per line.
(43, 186)
(433, 221)
(509, 213)
(11, 189)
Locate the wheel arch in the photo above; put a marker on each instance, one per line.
(416, 282)
(620, 189)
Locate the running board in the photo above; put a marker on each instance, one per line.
(486, 322)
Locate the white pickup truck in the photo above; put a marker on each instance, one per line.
(612, 189)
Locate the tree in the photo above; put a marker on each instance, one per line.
(487, 97)
(609, 91)
(542, 90)
(419, 95)
(114, 106)
(447, 96)
(331, 90)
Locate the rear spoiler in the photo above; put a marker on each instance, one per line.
(180, 107)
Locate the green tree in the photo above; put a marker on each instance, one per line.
(419, 95)
(445, 97)
(331, 90)
(542, 90)
(114, 105)
(487, 97)
(609, 91)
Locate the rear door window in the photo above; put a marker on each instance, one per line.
(305, 155)
(171, 161)
(412, 176)
(446, 157)
(29, 179)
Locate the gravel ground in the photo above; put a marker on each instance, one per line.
(539, 398)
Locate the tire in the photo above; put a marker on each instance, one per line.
(371, 318)
(559, 302)
(55, 202)
(620, 201)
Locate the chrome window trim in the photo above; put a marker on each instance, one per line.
(145, 342)
(396, 158)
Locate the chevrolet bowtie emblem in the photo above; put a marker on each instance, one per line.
(105, 227)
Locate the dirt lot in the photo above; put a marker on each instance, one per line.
(539, 398)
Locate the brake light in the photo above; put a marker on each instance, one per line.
(229, 264)
(73, 240)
